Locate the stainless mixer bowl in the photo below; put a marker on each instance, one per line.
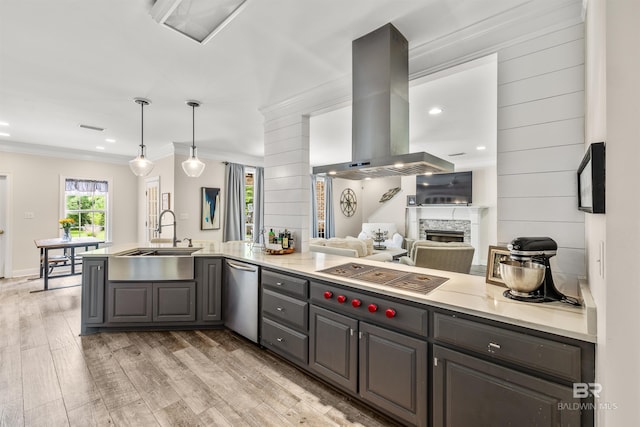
(522, 276)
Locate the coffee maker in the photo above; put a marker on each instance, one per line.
(537, 250)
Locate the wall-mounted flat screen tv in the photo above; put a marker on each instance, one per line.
(444, 189)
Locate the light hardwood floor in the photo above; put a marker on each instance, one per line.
(51, 376)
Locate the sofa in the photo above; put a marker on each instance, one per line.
(448, 256)
(393, 239)
(349, 247)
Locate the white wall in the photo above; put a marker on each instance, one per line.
(36, 188)
(613, 107)
(540, 145)
(344, 225)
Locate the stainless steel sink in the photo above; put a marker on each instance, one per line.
(152, 264)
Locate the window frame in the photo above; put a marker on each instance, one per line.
(109, 201)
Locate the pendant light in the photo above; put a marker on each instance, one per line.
(141, 166)
(193, 167)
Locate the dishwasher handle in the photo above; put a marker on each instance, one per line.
(242, 267)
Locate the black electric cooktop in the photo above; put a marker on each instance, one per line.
(414, 282)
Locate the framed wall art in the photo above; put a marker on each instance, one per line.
(496, 254)
(210, 208)
(591, 179)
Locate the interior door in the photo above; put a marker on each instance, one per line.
(4, 206)
(152, 205)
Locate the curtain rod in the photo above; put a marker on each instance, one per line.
(251, 166)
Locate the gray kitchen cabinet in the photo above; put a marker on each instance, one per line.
(93, 279)
(385, 368)
(393, 373)
(469, 391)
(209, 279)
(174, 302)
(333, 347)
(284, 316)
(492, 374)
(143, 302)
(129, 302)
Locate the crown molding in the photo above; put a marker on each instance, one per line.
(475, 41)
(60, 152)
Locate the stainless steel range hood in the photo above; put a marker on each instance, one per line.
(380, 117)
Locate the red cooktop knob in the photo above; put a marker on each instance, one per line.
(341, 298)
(328, 294)
(372, 308)
(356, 303)
(390, 313)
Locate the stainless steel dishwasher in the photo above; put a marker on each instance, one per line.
(241, 298)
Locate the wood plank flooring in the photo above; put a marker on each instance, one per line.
(51, 376)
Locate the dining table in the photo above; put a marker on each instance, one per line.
(69, 247)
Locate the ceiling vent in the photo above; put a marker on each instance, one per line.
(92, 128)
(199, 20)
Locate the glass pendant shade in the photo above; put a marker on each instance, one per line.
(141, 166)
(193, 166)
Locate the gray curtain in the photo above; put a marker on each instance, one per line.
(234, 217)
(314, 207)
(329, 219)
(258, 205)
(85, 186)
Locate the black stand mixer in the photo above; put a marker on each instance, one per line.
(536, 250)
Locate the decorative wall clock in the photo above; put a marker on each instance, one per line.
(348, 202)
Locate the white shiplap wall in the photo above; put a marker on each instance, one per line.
(541, 143)
(287, 179)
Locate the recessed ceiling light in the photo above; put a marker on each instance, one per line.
(368, 178)
(481, 147)
(398, 165)
(111, 140)
(99, 147)
(4, 124)
(435, 111)
(428, 173)
(332, 172)
(4, 134)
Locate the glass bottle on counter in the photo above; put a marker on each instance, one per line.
(272, 236)
(285, 240)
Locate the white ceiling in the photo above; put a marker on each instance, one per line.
(69, 62)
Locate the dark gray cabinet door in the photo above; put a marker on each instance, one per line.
(174, 302)
(333, 347)
(393, 373)
(210, 283)
(129, 302)
(93, 277)
(468, 391)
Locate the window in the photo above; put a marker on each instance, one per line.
(86, 202)
(248, 203)
(320, 205)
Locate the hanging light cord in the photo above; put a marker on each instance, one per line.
(142, 128)
(193, 127)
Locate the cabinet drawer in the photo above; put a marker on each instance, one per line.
(552, 357)
(284, 283)
(281, 339)
(285, 309)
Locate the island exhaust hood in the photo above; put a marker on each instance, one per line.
(380, 117)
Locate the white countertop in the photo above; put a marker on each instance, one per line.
(462, 292)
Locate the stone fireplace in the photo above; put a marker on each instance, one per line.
(446, 223)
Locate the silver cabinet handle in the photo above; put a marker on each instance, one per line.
(492, 347)
(279, 308)
(280, 339)
(242, 267)
(278, 283)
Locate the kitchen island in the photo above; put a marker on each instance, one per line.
(460, 349)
